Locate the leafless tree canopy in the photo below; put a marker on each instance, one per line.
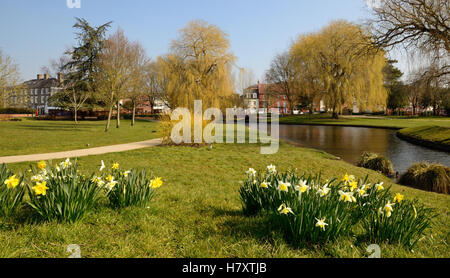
(422, 25)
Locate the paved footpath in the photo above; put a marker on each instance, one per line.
(83, 152)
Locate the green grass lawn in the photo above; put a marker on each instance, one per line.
(197, 212)
(435, 134)
(32, 136)
(381, 121)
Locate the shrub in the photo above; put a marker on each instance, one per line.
(404, 225)
(377, 163)
(13, 110)
(61, 193)
(430, 177)
(308, 210)
(132, 188)
(11, 192)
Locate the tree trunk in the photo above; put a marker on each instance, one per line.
(118, 114)
(109, 118)
(134, 114)
(75, 115)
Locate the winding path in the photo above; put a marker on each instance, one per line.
(83, 152)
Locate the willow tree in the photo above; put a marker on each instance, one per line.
(200, 66)
(345, 65)
(309, 74)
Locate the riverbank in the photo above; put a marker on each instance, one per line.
(197, 212)
(434, 137)
(387, 122)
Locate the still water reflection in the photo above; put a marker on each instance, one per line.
(350, 142)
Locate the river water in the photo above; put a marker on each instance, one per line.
(349, 143)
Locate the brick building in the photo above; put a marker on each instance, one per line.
(36, 92)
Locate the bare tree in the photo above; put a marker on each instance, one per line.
(416, 24)
(9, 78)
(282, 75)
(138, 77)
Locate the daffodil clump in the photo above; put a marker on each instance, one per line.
(11, 192)
(60, 192)
(309, 210)
(125, 188)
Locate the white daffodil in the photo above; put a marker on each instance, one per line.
(379, 186)
(347, 196)
(265, 184)
(37, 178)
(323, 191)
(102, 166)
(272, 169)
(362, 191)
(66, 163)
(251, 172)
(284, 186)
(283, 209)
(126, 173)
(388, 208)
(321, 223)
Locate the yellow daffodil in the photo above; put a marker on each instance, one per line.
(353, 186)
(12, 182)
(321, 223)
(283, 209)
(251, 172)
(156, 183)
(284, 186)
(347, 196)
(41, 165)
(388, 209)
(98, 181)
(272, 169)
(115, 166)
(265, 184)
(379, 186)
(348, 178)
(398, 198)
(109, 178)
(40, 188)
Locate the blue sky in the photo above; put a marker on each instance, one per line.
(34, 31)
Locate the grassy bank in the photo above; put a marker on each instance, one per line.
(197, 212)
(437, 137)
(32, 136)
(374, 121)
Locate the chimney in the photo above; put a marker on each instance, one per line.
(60, 77)
(46, 76)
(40, 77)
